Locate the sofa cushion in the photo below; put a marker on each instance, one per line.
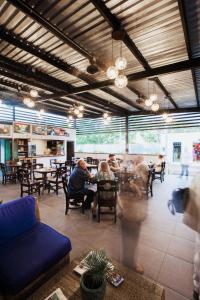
(29, 255)
(16, 217)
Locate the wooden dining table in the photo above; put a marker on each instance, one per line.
(44, 172)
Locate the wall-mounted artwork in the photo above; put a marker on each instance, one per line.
(22, 128)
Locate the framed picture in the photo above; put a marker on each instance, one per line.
(21, 128)
(5, 129)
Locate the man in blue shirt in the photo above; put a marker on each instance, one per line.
(77, 180)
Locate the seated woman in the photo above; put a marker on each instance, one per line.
(104, 173)
(159, 163)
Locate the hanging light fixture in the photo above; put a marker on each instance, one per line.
(29, 102)
(121, 63)
(155, 107)
(164, 115)
(153, 97)
(121, 81)
(106, 118)
(112, 72)
(169, 119)
(75, 111)
(34, 93)
(81, 107)
(148, 102)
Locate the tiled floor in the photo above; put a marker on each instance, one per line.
(165, 247)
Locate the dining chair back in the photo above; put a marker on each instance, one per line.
(107, 197)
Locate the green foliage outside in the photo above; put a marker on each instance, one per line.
(104, 138)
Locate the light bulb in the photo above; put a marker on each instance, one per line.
(34, 93)
(26, 100)
(121, 63)
(76, 111)
(81, 108)
(155, 107)
(71, 117)
(80, 115)
(41, 110)
(164, 115)
(121, 81)
(109, 118)
(105, 115)
(168, 119)
(112, 72)
(148, 102)
(31, 104)
(153, 97)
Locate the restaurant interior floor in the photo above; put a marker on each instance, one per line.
(166, 246)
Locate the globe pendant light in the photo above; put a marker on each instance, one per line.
(169, 119)
(34, 93)
(148, 102)
(164, 115)
(153, 97)
(121, 81)
(112, 72)
(155, 107)
(121, 63)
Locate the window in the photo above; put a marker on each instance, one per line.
(101, 143)
(146, 142)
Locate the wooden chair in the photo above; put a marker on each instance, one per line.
(28, 186)
(75, 201)
(55, 182)
(160, 175)
(149, 187)
(107, 197)
(7, 175)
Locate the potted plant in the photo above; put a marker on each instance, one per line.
(93, 281)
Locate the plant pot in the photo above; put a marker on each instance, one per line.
(92, 294)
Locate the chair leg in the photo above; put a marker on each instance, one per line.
(56, 188)
(98, 214)
(22, 191)
(67, 206)
(115, 211)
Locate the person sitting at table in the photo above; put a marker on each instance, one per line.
(103, 173)
(113, 164)
(159, 163)
(77, 180)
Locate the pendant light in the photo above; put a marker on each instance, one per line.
(112, 72)
(34, 93)
(155, 107)
(121, 81)
(164, 115)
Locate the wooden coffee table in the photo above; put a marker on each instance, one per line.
(134, 287)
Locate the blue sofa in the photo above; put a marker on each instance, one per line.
(28, 248)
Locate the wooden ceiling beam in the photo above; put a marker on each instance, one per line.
(116, 25)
